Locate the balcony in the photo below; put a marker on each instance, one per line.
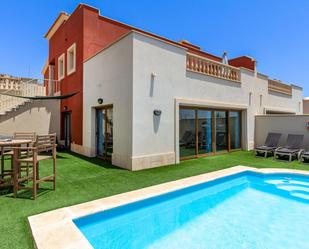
(277, 86)
(212, 68)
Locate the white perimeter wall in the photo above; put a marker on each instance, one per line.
(42, 117)
(108, 75)
(285, 124)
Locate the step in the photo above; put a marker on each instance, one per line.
(301, 195)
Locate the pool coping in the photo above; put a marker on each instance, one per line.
(55, 229)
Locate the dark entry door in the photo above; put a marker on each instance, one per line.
(67, 130)
(104, 132)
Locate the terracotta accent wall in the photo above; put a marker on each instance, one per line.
(70, 32)
(46, 76)
(243, 61)
(306, 106)
(91, 34)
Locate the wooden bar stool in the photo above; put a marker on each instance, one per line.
(8, 152)
(44, 149)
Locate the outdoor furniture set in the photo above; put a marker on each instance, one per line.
(293, 147)
(25, 151)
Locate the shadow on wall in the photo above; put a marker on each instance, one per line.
(151, 90)
(42, 117)
(156, 122)
(204, 77)
(281, 95)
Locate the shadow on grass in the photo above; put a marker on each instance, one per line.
(96, 161)
(27, 193)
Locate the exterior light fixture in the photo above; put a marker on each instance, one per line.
(153, 74)
(100, 101)
(65, 108)
(157, 112)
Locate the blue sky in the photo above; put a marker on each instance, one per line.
(274, 32)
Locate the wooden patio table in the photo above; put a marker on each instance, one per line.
(12, 143)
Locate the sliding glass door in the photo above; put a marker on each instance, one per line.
(204, 128)
(206, 131)
(220, 130)
(187, 139)
(235, 130)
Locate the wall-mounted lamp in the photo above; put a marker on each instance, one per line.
(100, 101)
(157, 112)
(153, 74)
(65, 108)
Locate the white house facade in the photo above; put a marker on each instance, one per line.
(148, 102)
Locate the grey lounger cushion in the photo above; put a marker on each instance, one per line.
(271, 142)
(287, 151)
(294, 141)
(265, 148)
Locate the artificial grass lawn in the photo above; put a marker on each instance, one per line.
(81, 179)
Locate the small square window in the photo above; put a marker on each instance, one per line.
(61, 63)
(71, 59)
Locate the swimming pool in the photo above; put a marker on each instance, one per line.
(244, 210)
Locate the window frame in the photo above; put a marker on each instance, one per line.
(61, 58)
(69, 50)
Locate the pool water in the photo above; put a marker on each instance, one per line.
(246, 210)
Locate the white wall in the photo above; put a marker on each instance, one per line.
(108, 75)
(42, 117)
(173, 86)
(122, 76)
(284, 124)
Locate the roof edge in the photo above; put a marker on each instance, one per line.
(62, 17)
(45, 67)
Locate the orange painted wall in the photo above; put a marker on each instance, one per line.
(91, 34)
(243, 61)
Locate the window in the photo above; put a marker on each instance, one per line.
(261, 100)
(235, 129)
(61, 67)
(71, 57)
(250, 99)
(205, 131)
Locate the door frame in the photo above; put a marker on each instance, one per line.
(214, 149)
(64, 116)
(105, 108)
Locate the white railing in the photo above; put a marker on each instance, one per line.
(7, 103)
(22, 87)
(212, 68)
(9, 83)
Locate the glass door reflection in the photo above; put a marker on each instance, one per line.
(187, 140)
(235, 130)
(204, 126)
(104, 132)
(220, 130)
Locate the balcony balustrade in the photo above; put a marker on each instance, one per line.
(212, 68)
(279, 87)
(23, 87)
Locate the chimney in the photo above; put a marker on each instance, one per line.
(224, 58)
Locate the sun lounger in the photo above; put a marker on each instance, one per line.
(270, 146)
(292, 149)
(304, 156)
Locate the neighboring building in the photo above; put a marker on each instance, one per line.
(19, 86)
(22, 114)
(147, 101)
(306, 105)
